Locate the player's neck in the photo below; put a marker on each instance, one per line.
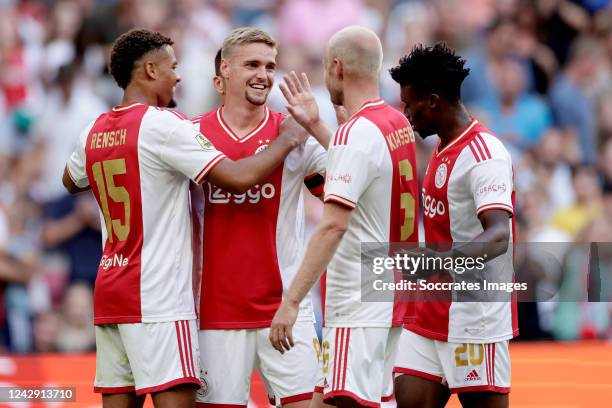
(453, 124)
(357, 94)
(242, 118)
(134, 94)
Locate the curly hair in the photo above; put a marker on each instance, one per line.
(129, 48)
(432, 70)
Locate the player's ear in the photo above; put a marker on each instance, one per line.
(338, 68)
(218, 84)
(434, 100)
(150, 69)
(224, 68)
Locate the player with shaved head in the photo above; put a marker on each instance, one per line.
(370, 196)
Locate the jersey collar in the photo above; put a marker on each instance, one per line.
(456, 138)
(249, 135)
(368, 104)
(121, 108)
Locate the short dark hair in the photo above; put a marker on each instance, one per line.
(129, 48)
(432, 70)
(218, 62)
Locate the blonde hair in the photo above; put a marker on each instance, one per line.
(245, 35)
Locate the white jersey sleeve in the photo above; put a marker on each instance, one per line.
(76, 162)
(315, 157)
(351, 163)
(190, 152)
(490, 181)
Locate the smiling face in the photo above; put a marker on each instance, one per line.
(249, 72)
(166, 76)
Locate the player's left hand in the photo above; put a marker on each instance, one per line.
(301, 102)
(281, 335)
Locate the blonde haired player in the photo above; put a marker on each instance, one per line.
(253, 242)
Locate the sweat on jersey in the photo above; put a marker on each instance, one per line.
(371, 169)
(472, 174)
(253, 243)
(138, 160)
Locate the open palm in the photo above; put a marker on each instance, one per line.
(301, 103)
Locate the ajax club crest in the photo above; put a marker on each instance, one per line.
(441, 173)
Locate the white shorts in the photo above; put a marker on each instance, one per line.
(358, 363)
(464, 367)
(146, 357)
(228, 358)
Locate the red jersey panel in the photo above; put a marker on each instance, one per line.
(253, 242)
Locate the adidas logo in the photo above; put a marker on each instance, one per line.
(472, 376)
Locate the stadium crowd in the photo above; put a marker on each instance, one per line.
(541, 79)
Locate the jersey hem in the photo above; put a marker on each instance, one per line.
(139, 319)
(236, 325)
(444, 337)
(74, 179)
(356, 325)
(208, 168)
(495, 206)
(340, 200)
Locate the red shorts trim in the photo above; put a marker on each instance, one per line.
(319, 390)
(479, 388)
(114, 390)
(328, 398)
(415, 373)
(413, 327)
(387, 398)
(170, 384)
(209, 404)
(295, 398)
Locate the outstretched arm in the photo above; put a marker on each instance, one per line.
(321, 248)
(238, 176)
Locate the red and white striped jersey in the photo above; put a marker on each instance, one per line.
(254, 242)
(371, 169)
(472, 174)
(138, 160)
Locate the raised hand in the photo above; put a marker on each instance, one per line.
(301, 103)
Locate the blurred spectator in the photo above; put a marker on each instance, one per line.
(72, 226)
(552, 169)
(484, 58)
(588, 205)
(76, 332)
(574, 318)
(570, 104)
(46, 329)
(69, 107)
(517, 117)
